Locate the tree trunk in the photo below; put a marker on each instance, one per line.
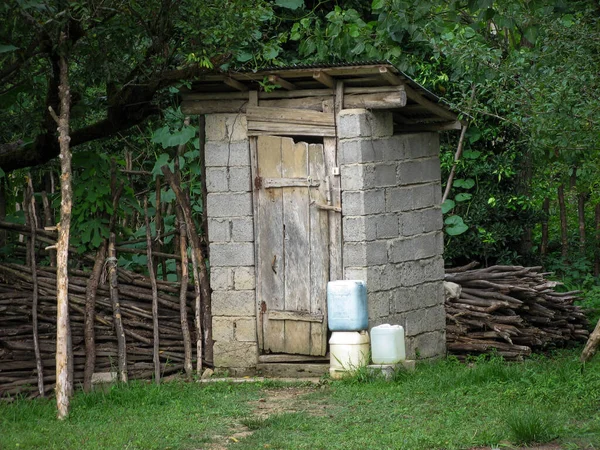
(152, 273)
(546, 214)
(581, 217)
(563, 222)
(592, 344)
(89, 317)
(117, 320)
(62, 246)
(49, 222)
(30, 205)
(184, 279)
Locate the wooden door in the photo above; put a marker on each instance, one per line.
(293, 246)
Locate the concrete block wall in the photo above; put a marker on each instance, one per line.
(231, 236)
(392, 222)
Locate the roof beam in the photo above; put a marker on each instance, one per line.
(283, 83)
(235, 84)
(390, 77)
(412, 128)
(325, 79)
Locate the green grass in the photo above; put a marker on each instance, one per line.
(441, 405)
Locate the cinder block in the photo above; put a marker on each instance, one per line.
(232, 254)
(233, 303)
(359, 228)
(356, 151)
(422, 271)
(420, 296)
(242, 229)
(365, 253)
(421, 145)
(223, 153)
(417, 247)
(420, 321)
(423, 221)
(391, 148)
(222, 329)
(244, 278)
(226, 127)
(245, 330)
(379, 304)
(235, 354)
(239, 179)
(221, 278)
(419, 171)
(229, 205)
(413, 197)
(219, 230)
(388, 277)
(426, 345)
(216, 179)
(358, 203)
(356, 273)
(352, 177)
(354, 123)
(386, 225)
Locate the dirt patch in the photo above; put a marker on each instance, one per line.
(282, 400)
(288, 400)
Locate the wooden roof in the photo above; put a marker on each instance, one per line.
(376, 85)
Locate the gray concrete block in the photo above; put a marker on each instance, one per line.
(352, 177)
(421, 145)
(233, 303)
(231, 254)
(426, 345)
(365, 253)
(235, 354)
(353, 123)
(378, 304)
(359, 228)
(416, 297)
(386, 225)
(244, 278)
(216, 179)
(245, 330)
(420, 321)
(223, 153)
(416, 247)
(419, 171)
(356, 151)
(358, 203)
(242, 229)
(387, 277)
(229, 204)
(226, 127)
(239, 179)
(222, 329)
(413, 197)
(221, 278)
(391, 148)
(357, 273)
(422, 221)
(422, 271)
(219, 230)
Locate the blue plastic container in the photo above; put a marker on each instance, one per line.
(347, 305)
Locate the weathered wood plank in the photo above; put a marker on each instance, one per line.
(301, 316)
(283, 83)
(290, 115)
(257, 128)
(378, 100)
(456, 125)
(294, 162)
(431, 106)
(283, 358)
(270, 286)
(319, 249)
(269, 183)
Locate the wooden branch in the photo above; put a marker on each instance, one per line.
(155, 354)
(116, 307)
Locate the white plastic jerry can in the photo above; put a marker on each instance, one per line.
(387, 344)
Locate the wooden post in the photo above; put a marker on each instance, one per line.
(62, 246)
(89, 317)
(156, 336)
(114, 298)
(30, 206)
(184, 279)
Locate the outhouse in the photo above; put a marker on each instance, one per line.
(319, 173)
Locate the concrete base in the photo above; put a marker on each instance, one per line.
(388, 371)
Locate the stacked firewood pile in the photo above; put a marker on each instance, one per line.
(17, 359)
(512, 310)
